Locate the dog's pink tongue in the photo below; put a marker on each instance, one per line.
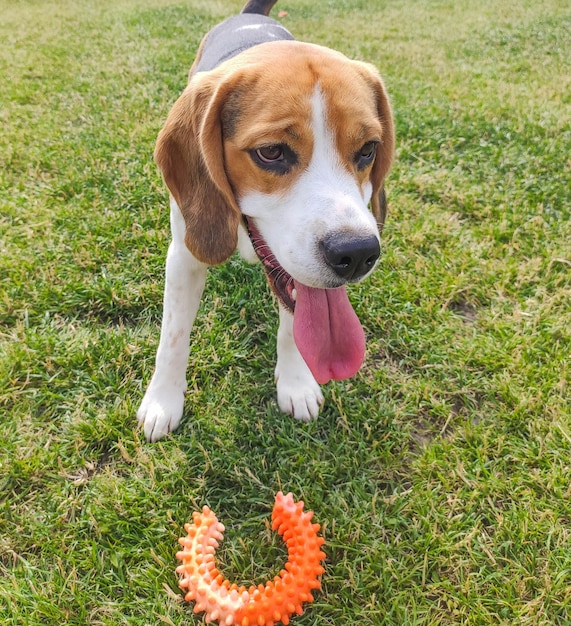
(328, 333)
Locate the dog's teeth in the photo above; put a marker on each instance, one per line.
(294, 294)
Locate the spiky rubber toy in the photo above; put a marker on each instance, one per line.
(264, 605)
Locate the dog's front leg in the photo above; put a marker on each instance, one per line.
(298, 392)
(161, 409)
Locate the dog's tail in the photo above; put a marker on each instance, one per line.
(261, 7)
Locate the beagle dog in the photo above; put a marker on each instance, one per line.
(275, 148)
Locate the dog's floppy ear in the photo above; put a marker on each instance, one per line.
(190, 154)
(385, 150)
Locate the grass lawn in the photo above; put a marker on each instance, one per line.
(440, 473)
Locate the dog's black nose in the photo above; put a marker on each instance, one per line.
(351, 257)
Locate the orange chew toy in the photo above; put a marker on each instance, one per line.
(264, 605)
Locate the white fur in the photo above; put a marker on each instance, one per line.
(298, 392)
(325, 199)
(162, 406)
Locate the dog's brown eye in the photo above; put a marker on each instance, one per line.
(366, 154)
(269, 154)
(368, 150)
(277, 158)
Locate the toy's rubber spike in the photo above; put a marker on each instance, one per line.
(264, 605)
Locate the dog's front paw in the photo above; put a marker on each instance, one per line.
(161, 410)
(299, 396)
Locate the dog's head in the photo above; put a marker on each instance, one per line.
(294, 136)
(295, 140)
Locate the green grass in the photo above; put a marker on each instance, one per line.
(440, 473)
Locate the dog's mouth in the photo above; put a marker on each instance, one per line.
(281, 283)
(326, 329)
